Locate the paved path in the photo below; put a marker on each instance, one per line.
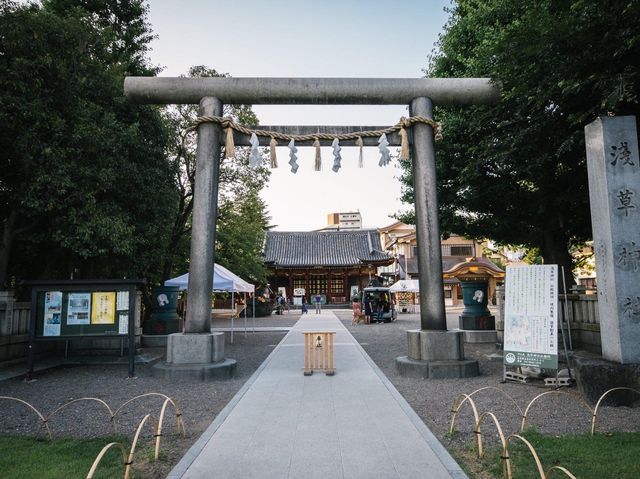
(283, 424)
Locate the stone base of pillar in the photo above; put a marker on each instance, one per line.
(595, 376)
(436, 354)
(153, 340)
(477, 323)
(198, 356)
(479, 336)
(414, 368)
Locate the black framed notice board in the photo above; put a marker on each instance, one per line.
(62, 310)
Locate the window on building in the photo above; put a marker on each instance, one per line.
(298, 283)
(414, 252)
(462, 250)
(318, 285)
(337, 285)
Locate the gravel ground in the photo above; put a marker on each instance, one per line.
(200, 402)
(563, 412)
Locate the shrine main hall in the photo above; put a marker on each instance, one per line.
(329, 263)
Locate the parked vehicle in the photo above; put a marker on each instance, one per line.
(381, 300)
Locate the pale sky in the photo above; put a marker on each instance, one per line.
(329, 38)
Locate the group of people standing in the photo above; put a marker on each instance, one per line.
(370, 307)
(317, 301)
(370, 310)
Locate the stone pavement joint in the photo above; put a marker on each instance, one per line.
(282, 424)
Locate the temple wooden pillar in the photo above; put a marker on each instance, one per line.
(345, 286)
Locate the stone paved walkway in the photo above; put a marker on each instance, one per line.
(283, 424)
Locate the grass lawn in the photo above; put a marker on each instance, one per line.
(61, 458)
(602, 456)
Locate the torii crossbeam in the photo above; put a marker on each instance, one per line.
(211, 93)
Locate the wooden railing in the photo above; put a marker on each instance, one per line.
(581, 310)
(14, 327)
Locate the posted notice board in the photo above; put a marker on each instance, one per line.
(82, 312)
(531, 316)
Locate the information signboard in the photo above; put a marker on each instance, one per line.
(81, 312)
(531, 316)
(63, 310)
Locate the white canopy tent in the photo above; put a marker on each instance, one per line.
(223, 280)
(405, 286)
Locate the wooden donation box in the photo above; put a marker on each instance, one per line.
(318, 352)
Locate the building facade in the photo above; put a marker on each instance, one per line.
(351, 220)
(332, 264)
(399, 239)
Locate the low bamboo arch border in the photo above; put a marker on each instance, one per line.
(535, 399)
(463, 398)
(127, 459)
(595, 410)
(536, 458)
(167, 401)
(44, 420)
(505, 442)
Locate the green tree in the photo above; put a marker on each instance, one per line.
(242, 216)
(516, 171)
(242, 222)
(86, 188)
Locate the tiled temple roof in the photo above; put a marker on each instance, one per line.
(449, 264)
(324, 248)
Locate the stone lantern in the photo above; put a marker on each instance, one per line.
(164, 318)
(478, 278)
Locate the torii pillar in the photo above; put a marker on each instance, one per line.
(433, 351)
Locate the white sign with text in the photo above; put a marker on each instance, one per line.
(531, 316)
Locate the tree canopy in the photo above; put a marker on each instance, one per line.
(242, 217)
(515, 171)
(86, 188)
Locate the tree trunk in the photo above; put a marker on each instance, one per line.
(555, 250)
(178, 231)
(5, 248)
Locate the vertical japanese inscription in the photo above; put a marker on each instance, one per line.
(625, 197)
(614, 188)
(622, 153)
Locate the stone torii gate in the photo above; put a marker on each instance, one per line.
(433, 351)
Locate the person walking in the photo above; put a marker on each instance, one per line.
(318, 300)
(356, 311)
(304, 307)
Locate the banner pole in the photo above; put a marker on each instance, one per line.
(566, 309)
(564, 341)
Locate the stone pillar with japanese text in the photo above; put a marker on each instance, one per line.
(614, 190)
